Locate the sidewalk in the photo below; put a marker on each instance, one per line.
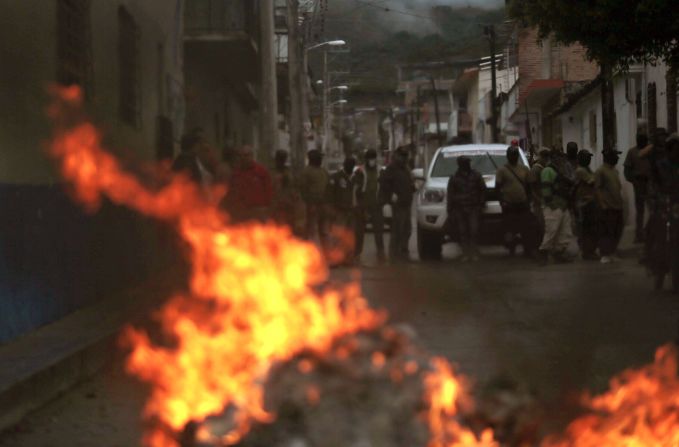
(43, 364)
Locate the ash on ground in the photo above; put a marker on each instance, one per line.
(367, 391)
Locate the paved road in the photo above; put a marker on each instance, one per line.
(557, 328)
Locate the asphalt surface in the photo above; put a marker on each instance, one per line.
(557, 329)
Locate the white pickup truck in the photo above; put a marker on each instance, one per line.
(432, 231)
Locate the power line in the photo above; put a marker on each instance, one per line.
(388, 9)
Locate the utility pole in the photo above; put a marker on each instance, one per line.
(436, 110)
(490, 32)
(295, 81)
(326, 114)
(268, 109)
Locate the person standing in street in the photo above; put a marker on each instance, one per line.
(637, 170)
(556, 193)
(194, 159)
(586, 207)
(512, 181)
(397, 188)
(250, 188)
(342, 199)
(367, 181)
(536, 190)
(572, 152)
(466, 197)
(609, 195)
(313, 183)
(285, 195)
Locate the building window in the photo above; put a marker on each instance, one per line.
(592, 129)
(639, 101)
(671, 101)
(652, 107)
(74, 44)
(130, 74)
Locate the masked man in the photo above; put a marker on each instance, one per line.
(466, 198)
(609, 195)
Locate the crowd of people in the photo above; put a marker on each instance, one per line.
(331, 209)
(555, 199)
(558, 198)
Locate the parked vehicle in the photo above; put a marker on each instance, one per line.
(433, 228)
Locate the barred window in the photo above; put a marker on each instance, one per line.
(129, 66)
(652, 107)
(671, 77)
(74, 44)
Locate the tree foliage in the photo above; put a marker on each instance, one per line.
(614, 32)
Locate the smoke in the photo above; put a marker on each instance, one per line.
(374, 19)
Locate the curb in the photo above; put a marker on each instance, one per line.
(43, 364)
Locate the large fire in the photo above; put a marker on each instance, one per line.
(641, 409)
(253, 299)
(257, 299)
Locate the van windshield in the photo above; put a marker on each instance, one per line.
(446, 163)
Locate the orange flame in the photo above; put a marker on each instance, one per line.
(445, 394)
(251, 302)
(641, 409)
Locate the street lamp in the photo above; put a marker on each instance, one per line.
(342, 88)
(330, 43)
(341, 101)
(325, 81)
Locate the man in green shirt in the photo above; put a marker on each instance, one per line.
(556, 190)
(609, 196)
(512, 181)
(638, 172)
(586, 208)
(536, 191)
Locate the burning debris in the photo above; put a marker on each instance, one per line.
(253, 303)
(367, 390)
(255, 341)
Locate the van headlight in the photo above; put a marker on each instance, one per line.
(433, 195)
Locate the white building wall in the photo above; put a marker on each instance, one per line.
(657, 74)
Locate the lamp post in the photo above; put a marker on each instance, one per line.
(326, 81)
(340, 103)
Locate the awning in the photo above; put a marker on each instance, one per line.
(541, 90)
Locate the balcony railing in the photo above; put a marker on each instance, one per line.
(223, 19)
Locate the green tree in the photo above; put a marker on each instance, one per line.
(615, 33)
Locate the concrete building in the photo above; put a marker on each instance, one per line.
(127, 55)
(547, 73)
(222, 70)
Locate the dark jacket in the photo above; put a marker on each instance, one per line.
(187, 163)
(341, 191)
(396, 180)
(466, 190)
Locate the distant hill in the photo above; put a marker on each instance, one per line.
(380, 39)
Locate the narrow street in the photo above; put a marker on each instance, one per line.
(558, 330)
